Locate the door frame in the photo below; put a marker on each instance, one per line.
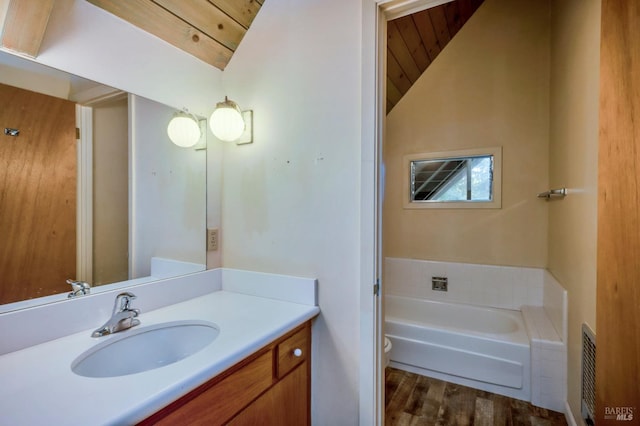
(84, 220)
(375, 14)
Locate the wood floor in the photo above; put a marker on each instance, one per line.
(414, 400)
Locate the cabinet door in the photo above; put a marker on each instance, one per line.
(285, 404)
(212, 407)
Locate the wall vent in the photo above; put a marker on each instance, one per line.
(588, 375)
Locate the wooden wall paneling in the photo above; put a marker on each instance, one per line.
(243, 11)
(24, 25)
(163, 24)
(208, 19)
(427, 33)
(397, 75)
(439, 21)
(393, 94)
(466, 8)
(396, 43)
(454, 19)
(413, 41)
(618, 276)
(416, 40)
(37, 195)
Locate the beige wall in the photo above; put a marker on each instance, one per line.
(573, 162)
(489, 87)
(111, 192)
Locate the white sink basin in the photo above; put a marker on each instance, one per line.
(145, 348)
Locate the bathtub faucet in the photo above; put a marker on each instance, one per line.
(122, 318)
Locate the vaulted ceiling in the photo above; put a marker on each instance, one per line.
(210, 30)
(414, 41)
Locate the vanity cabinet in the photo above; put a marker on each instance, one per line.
(270, 387)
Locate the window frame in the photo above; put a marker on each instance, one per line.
(496, 189)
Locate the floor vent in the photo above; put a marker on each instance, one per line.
(588, 375)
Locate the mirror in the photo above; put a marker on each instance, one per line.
(455, 179)
(113, 202)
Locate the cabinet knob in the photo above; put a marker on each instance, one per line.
(297, 352)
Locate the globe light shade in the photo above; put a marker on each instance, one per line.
(226, 121)
(183, 130)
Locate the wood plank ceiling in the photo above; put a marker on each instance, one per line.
(210, 30)
(414, 41)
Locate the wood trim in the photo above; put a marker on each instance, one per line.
(618, 292)
(24, 26)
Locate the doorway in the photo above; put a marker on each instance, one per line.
(375, 16)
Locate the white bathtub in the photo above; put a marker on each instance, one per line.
(483, 348)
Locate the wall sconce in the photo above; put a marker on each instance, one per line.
(229, 123)
(184, 130)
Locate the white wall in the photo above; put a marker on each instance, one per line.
(26, 75)
(167, 196)
(291, 199)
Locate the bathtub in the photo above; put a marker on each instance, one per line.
(483, 348)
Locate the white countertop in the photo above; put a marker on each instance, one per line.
(38, 386)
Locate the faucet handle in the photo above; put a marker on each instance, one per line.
(123, 302)
(79, 288)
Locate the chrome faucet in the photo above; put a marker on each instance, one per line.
(122, 318)
(80, 288)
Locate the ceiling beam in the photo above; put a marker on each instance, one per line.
(23, 23)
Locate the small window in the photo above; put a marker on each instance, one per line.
(456, 179)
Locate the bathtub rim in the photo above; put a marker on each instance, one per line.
(518, 337)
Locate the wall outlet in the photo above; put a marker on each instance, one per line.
(212, 239)
(439, 283)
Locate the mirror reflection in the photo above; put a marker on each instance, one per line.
(462, 179)
(91, 188)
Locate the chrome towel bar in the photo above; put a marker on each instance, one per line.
(553, 194)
